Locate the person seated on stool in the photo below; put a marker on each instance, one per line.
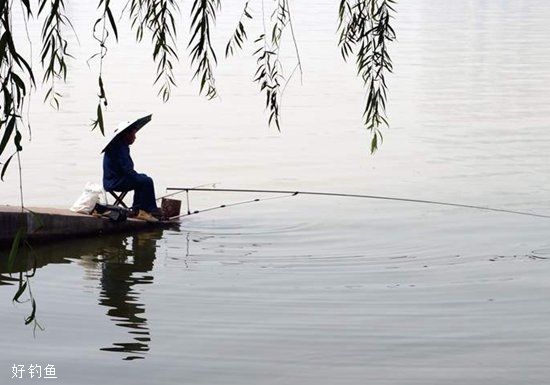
(119, 173)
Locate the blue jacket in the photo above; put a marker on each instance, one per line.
(118, 166)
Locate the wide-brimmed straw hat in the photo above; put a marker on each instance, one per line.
(125, 127)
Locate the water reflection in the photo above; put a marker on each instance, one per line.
(125, 264)
(117, 264)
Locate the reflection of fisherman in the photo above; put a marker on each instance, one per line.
(119, 173)
(120, 276)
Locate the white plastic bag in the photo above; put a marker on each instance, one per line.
(89, 198)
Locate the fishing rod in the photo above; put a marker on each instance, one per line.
(189, 212)
(333, 194)
(179, 192)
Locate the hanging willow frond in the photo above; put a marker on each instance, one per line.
(203, 14)
(54, 46)
(280, 17)
(239, 36)
(366, 24)
(101, 34)
(157, 16)
(268, 76)
(269, 71)
(13, 89)
(137, 18)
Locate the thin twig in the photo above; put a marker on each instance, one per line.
(25, 19)
(20, 180)
(295, 46)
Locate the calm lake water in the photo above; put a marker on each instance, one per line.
(306, 290)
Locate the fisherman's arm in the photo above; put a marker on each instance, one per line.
(120, 161)
(126, 164)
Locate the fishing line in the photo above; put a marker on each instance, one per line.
(229, 205)
(379, 197)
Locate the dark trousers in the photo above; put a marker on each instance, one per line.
(144, 191)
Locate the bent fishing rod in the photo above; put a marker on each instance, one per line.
(289, 193)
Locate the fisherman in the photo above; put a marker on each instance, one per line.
(119, 173)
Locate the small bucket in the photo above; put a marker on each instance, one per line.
(170, 207)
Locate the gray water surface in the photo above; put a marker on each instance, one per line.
(308, 290)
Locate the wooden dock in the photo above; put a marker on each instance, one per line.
(50, 224)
